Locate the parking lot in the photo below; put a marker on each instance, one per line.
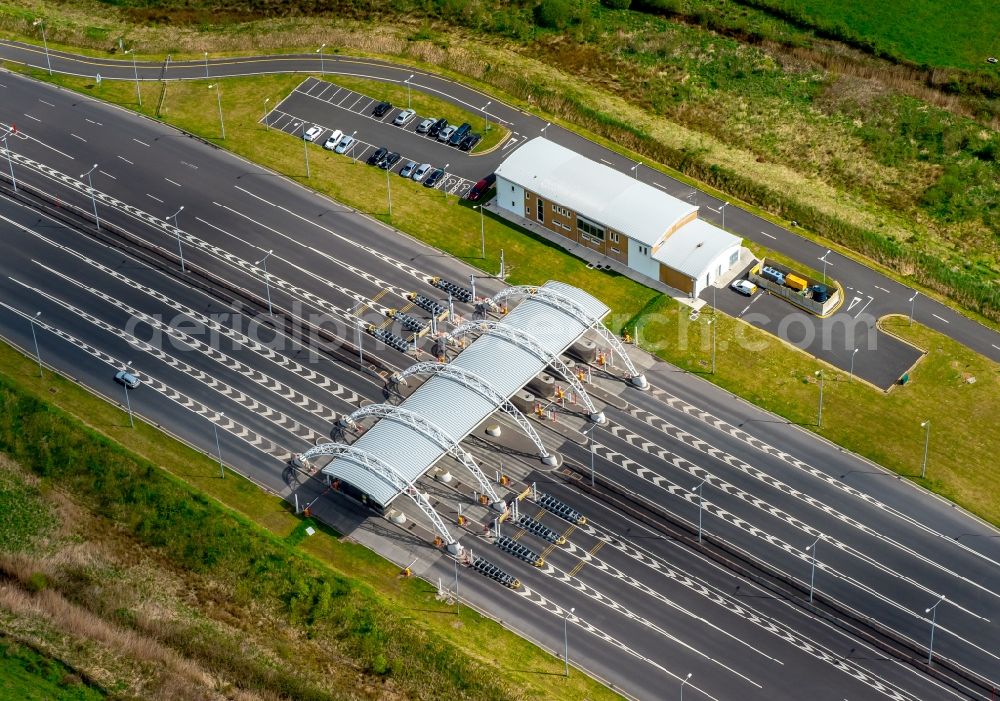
(331, 107)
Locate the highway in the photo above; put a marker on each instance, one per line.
(869, 295)
(886, 557)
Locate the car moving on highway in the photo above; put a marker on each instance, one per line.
(127, 379)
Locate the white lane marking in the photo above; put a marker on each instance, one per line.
(3, 85)
(995, 346)
(32, 117)
(768, 235)
(605, 160)
(172, 182)
(93, 122)
(660, 185)
(107, 174)
(258, 197)
(141, 142)
(189, 165)
(78, 137)
(713, 209)
(154, 197)
(126, 160)
(853, 303)
(941, 318)
(46, 102)
(870, 300)
(883, 289)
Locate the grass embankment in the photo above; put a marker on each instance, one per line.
(210, 584)
(26, 675)
(778, 378)
(426, 106)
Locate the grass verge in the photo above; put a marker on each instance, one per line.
(341, 595)
(27, 675)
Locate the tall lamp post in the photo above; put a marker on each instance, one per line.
(407, 81)
(686, 680)
(34, 338)
(486, 114)
(701, 505)
(48, 61)
(819, 420)
(547, 125)
(206, 65)
(218, 95)
(482, 229)
(635, 170)
(913, 304)
(828, 251)
(10, 163)
(305, 149)
(566, 639)
(322, 62)
(854, 353)
(218, 447)
(267, 281)
(93, 198)
(388, 190)
(722, 210)
(180, 250)
(135, 69)
(933, 611)
(812, 576)
(128, 402)
(927, 443)
(267, 127)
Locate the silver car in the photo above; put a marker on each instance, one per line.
(403, 118)
(127, 379)
(344, 144)
(446, 133)
(407, 169)
(425, 125)
(421, 171)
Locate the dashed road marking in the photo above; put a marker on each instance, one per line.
(172, 182)
(126, 160)
(770, 236)
(154, 197)
(75, 136)
(141, 142)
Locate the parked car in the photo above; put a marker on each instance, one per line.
(434, 177)
(377, 156)
(345, 144)
(312, 133)
(744, 287)
(128, 379)
(381, 108)
(333, 139)
(470, 141)
(407, 169)
(403, 118)
(446, 133)
(421, 171)
(391, 159)
(459, 134)
(480, 188)
(425, 125)
(436, 127)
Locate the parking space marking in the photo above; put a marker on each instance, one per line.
(360, 98)
(321, 93)
(941, 318)
(335, 93)
(344, 98)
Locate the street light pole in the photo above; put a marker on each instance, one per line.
(388, 191)
(635, 170)
(135, 69)
(218, 95)
(407, 81)
(824, 264)
(93, 198)
(180, 250)
(722, 210)
(933, 611)
(913, 303)
(715, 328)
(812, 577)
(218, 448)
(361, 353)
(267, 281)
(482, 229)
(48, 60)
(566, 639)
(267, 127)
(34, 338)
(927, 442)
(819, 420)
(701, 505)
(128, 402)
(10, 163)
(686, 680)
(305, 149)
(322, 63)
(547, 125)
(487, 115)
(206, 65)
(852, 363)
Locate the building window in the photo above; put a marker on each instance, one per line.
(589, 230)
(541, 210)
(615, 250)
(734, 258)
(512, 188)
(644, 250)
(613, 236)
(561, 210)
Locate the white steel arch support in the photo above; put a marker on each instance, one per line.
(436, 434)
(479, 385)
(561, 301)
(377, 466)
(525, 340)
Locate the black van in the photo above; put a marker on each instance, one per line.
(459, 134)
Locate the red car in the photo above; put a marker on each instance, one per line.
(477, 190)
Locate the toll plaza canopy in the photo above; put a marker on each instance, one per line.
(500, 360)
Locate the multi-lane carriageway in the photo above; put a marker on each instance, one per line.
(648, 607)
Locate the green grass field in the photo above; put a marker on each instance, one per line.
(928, 32)
(26, 675)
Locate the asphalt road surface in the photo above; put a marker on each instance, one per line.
(649, 608)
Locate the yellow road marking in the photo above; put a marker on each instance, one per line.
(580, 565)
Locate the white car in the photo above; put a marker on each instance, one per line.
(333, 139)
(312, 133)
(425, 125)
(403, 118)
(446, 133)
(421, 171)
(744, 287)
(344, 144)
(127, 379)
